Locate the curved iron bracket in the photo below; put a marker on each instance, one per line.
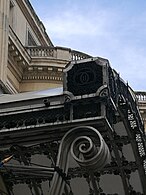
(87, 147)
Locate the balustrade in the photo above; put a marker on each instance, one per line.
(75, 55)
(141, 96)
(54, 51)
(41, 51)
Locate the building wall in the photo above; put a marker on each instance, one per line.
(141, 97)
(18, 23)
(34, 86)
(4, 30)
(22, 18)
(24, 43)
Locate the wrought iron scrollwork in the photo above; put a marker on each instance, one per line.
(87, 147)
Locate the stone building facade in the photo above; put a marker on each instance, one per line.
(29, 60)
(141, 97)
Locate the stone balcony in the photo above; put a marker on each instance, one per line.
(37, 67)
(46, 66)
(54, 56)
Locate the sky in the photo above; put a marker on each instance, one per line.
(112, 29)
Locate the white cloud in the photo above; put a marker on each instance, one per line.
(105, 33)
(74, 23)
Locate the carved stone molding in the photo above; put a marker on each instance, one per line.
(43, 73)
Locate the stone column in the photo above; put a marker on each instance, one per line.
(4, 31)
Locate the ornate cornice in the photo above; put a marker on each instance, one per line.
(43, 73)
